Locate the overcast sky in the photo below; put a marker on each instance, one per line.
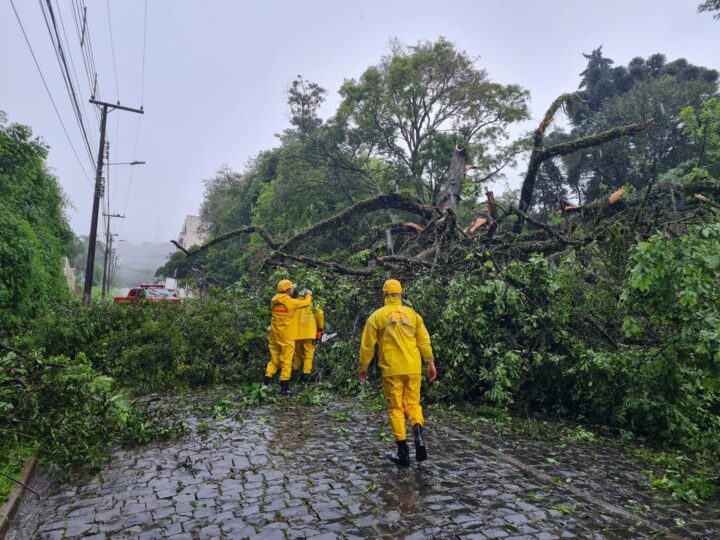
(216, 75)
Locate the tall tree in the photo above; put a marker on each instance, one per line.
(420, 102)
(304, 100)
(646, 88)
(35, 234)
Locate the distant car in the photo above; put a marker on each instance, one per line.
(150, 293)
(160, 295)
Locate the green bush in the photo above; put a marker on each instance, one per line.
(35, 233)
(65, 409)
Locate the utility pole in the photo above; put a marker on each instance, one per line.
(90, 263)
(108, 251)
(113, 265)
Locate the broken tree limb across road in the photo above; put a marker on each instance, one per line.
(438, 240)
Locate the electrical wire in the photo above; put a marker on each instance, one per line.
(142, 102)
(82, 29)
(74, 72)
(47, 89)
(82, 26)
(49, 17)
(56, 40)
(112, 49)
(142, 80)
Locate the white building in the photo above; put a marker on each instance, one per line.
(191, 235)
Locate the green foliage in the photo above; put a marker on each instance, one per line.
(646, 88)
(35, 233)
(672, 472)
(673, 302)
(66, 409)
(702, 125)
(256, 394)
(579, 435)
(314, 395)
(162, 346)
(541, 337)
(419, 102)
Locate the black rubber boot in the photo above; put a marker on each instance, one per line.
(266, 380)
(402, 456)
(420, 450)
(305, 378)
(285, 388)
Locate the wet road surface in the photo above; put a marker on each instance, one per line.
(292, 470)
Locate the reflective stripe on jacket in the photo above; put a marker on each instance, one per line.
(284, 309)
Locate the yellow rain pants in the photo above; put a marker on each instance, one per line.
(304, 354)
(310, 320)
(281, 357)
(402, 397)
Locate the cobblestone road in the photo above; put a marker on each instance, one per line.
(289, 470)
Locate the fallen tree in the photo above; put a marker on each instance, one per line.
(437, 240)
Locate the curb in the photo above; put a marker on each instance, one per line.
(10, 507)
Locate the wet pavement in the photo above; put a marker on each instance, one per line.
(296, 470)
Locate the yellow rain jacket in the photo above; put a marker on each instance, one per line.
(308, 320)
(403, 341)
(284, 312)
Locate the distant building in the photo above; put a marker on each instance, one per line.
(191, 235)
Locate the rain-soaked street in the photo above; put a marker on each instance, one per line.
(294, 470)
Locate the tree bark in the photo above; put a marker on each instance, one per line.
(450, 197)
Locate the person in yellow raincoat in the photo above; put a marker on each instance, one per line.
(310, 322)
(282, 333)
(403, 346)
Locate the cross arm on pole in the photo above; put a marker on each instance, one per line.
(117, 106)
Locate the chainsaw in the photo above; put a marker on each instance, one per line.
(327, 337)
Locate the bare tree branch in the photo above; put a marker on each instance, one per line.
(250, 229)
(547, 228)
(540, 154)
(335, 267)
(394, 201)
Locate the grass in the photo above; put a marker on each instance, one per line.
(11, 462)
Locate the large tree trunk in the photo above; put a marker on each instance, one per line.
(450, 196)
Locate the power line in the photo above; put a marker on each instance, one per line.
(82, 30)
(65, 71)
(142, 102)
(67, 76)
(112, 48)
(47, 89)
(82, 27)
(142, 80)
(72, 65)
